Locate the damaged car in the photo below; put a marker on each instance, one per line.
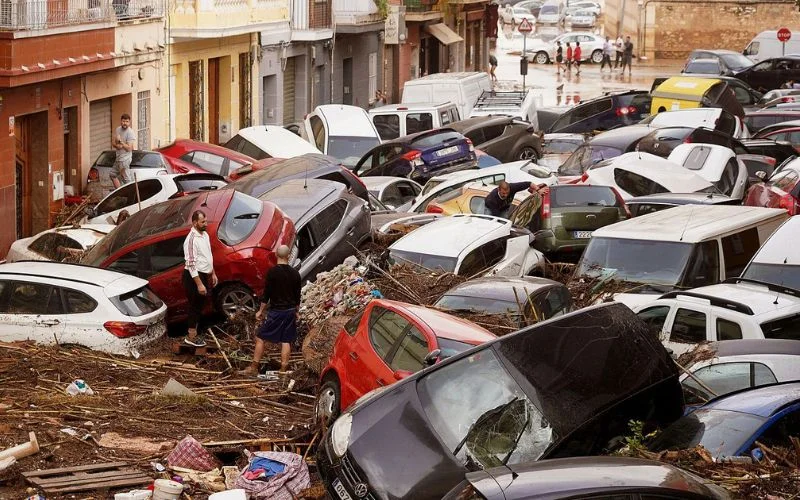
(509, 401)
(60, 243)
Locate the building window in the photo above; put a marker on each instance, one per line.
(245, 100)
(143, 120)
(196, 101)
(373, 74)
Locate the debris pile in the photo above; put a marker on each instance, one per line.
(411, 284)
(586, 291)
(340, 291)
(318, 343)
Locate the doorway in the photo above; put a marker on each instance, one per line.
(213, 100)
(347, 81)
(196, 106)
(71, 168)
(32, 175)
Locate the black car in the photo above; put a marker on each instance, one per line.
(780, 150)
(506, 138)
(771, 73)
(596, 478)
(609, 144)
(729, 61)
(609, 111)
(758, 119)
(307, 166)
(420, 156)
(650, 203)
(555, 389)
(662, 141)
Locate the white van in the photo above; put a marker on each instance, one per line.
(766, 45)
(461, 88)
(683, 247)
(344, 132)
(398, 120)
(778, 261)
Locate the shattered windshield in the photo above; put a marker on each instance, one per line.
(482, 414)
(424, 260)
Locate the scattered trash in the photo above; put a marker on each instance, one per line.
(237, 404)
(191, 454)
(231, 474)
(79, 387)
(134, 495)
(22, 450)
(70, 431)
(212, 480)
(341, 290)
(283, 485)
(166, 489)
(7, 462)
(157, 467)
(237, 494)
(175, 388)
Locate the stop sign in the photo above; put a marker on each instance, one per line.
(784, 34)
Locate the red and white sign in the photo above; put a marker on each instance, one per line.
(784, 35)
(525, 26)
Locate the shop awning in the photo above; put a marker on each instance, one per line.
(443, 33)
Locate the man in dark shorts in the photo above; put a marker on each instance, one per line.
(492, 66)
(198, 274)
(559, 56)
(282, 295)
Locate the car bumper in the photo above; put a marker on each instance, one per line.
(343, 471)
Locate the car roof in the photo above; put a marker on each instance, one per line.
(412, 106)
(379, 182)
(477, 173)
(717, 156)
(760, 299)
(779, 248)
(689, 224)
(683, 199)
(502, 288)
(786, 124)
(192, 145)
(667, 173)
(113, 283)
(450, 236)
(443, 325)
(470, 123)
(85, 234)
(277, 141)
(298, 197)
(297, 166)
(463, 75)
(622, 136)
(676, 117)
(762, 401)
(406, 139)
(704, 60)
(744, 347)
(346, 120)
(717, 51)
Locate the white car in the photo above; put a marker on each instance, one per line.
(778, 259)
(51, 302)
(515, 171)
(552, 12)
(726, 311)
(717, 164)
(713, 118)
(582, 19)
(469, 245)
(591, 47)
(341, 131)
(144, 165)
(592, 7)
(639, 174)
(136, 196)
(55, 244)
(515, 15)
(392, 191)
(269, 141)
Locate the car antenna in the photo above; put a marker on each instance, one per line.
(691, 210)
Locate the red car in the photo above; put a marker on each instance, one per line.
(186, 155)
(781, 190)
(244, 232)
(388, 341)
(253, 167)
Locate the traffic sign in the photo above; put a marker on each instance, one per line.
(784, 35)
(525, 26)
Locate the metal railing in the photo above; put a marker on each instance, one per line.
(44, 14)
(421, 5)
(311, 14)
(354, 7)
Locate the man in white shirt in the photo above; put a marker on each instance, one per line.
(198, 275)
(620, 47)
(608, 49)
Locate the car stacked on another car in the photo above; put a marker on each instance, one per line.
(144, 165)
(186, 156)
(780, 190)
(609, 144)
(269, 141)
(642, 205)
(61, 243)
(503, 137)
(468, 199)
(609, 111)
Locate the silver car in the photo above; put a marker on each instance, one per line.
(144, 165)
(582, 19)
(591, 48)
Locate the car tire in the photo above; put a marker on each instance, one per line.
(597, 56)
(526, 153)
(541, 57)
(329, 399)
(235, 298)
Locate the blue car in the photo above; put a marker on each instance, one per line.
(730, 425)
(419, 156)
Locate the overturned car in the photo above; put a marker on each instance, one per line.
(564, 387)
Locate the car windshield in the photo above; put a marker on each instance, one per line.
(137, 303)
(555, 146)
(736, 61)
(548, 9)
(720, 432)
(705, 67)
(583, 196)
(779, 274)
(586, 156)
(638, 261)
(427, 261)
(432, 183)
(146, 159)
(482, 415)
(350, 149)
(192, 184)
(485, 305)
(436, 139)
(240, 219)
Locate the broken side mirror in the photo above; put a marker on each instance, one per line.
(432, 357)
(89, 212)
(761, 175)
(401, 374)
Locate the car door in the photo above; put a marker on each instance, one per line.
(130, 197)
(689, 327)
(408, 356)
(496, 142)
(761, 75)
(318, 251)
(30, 311)
(507, 256)
(82, 324)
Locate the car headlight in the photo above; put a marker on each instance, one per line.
(340, 434)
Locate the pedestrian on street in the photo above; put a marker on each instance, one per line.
(198, 274)
(576, 56)
(569, 58)
(282, 295)
(380, 99)
(559, 56)
(124, 142)
(498, 203)
(492, 66)
(627, 56)
(619, 45)
(608, 49)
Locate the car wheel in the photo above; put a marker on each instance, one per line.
(328, 405)
(527, 153)
(541, 58)
(235, 298)
(597, 56)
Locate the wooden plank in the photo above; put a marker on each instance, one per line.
(61, 481)
(79, 468)
(101, 485)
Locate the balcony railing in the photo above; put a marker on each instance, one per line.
(355, 11)
(45, 14)
(311, 14)
(421, 5)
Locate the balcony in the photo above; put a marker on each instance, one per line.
(311, 20)
(218, 18)
(356, 12)
(38, 15)
(422, 10)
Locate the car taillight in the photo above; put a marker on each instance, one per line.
(787, 99)
(434, 209)
(546, 204)
(788, 203)
(622, 203)
(180, 169)
(347, 172)
(469, 143)
(414, 157)
(93, 175)
(625, 110)
(584, 177)
(124, 329)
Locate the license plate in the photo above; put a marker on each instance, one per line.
(581, 235)
(339, 489)
(447, 151)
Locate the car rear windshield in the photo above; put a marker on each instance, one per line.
(705, 67)
(548, 9)
(719, 431)
(430, 140)
(240, 219)
(452, 347)
(582, 196)
(557, 146)
(139, 302)
(780, 274)
(350, 149)
(431, 262)
(478, 304)
(736, 61)
(428, 187)
(784, 328)
(192, 184)
(142, 159)
(586, 156)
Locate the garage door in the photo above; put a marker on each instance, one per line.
(100, 130)
(288, 92)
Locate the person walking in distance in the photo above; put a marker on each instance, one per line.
(619, 46)
(123, 142)
(576, 56)
(627, 56)
(559, 57)
(198, 274)
(282, 295)
(608, 49)
(569, 58)
(492, 66)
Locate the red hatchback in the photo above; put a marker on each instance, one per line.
(790, 135)
(388, 341)
(257, 165)
(244, 233)
(782, 190)
(186, 155)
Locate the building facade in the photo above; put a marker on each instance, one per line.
(358, 69)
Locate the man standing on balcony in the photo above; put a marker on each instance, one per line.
(124, 142)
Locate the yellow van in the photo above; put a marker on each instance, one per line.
(685, 92)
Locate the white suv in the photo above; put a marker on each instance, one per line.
(736, 309)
